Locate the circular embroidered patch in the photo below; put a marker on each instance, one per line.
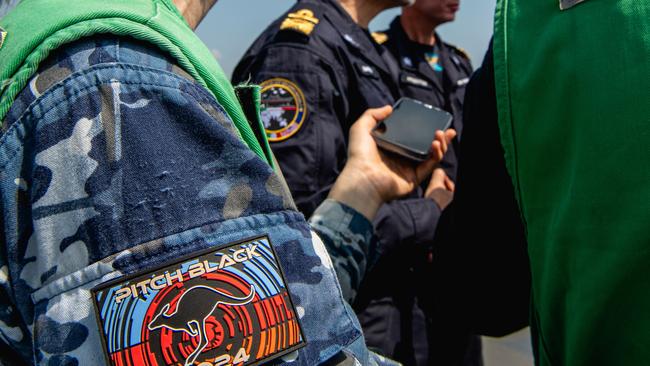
(283, 108)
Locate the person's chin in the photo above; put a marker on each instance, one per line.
(450, 16)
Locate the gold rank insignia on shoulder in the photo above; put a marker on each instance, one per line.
(3, 35)
(302, 21)
(462, 52)
(379, 37)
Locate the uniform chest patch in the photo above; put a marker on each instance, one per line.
(415, 81)
(367, 70)
(462, 82)
(434, 61)
(283, 109)
(227, 306)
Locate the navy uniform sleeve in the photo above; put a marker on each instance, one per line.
(302, 113)
(488, 256)
(410, 221)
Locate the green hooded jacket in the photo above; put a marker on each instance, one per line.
(573, 90)
(28, 40)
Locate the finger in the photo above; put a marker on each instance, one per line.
(451, 186)
(424, 170)
(380, 114)
(441, 142)
(370, 117)
(450, 134)
(440, 136)
(436, 151)
(444, 143)
(438, 177)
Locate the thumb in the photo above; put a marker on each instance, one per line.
(438, 177)
(451, 186)
(369, 118)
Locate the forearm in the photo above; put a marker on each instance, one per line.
(348, 237)
(352, 189)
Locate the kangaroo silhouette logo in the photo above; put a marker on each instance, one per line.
(192, 311)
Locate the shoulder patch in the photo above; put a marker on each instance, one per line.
(283, 108)
(302, 21)
(3, 35)
(379, 37)
(228, 305)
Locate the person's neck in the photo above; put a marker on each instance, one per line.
(194, 10)
(418, 28)
(363, 11)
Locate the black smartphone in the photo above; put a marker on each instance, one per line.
(411, 128)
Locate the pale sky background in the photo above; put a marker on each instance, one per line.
(232, 25)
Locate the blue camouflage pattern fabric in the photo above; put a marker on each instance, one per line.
(113, 161)
(349, 240)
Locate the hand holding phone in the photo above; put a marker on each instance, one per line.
(410, 130)
(371, 178)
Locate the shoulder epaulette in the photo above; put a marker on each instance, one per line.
(380, 37)
(461, 52)
(302, 21)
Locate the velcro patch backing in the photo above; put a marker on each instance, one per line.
(227, 306)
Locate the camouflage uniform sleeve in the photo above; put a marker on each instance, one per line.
(109, 158)
(348, 236)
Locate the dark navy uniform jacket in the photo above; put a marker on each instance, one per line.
(396, 302)
(319, 72)
(418, 80)
(339, 70)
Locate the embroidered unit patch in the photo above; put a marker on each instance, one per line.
(283, 108)
(227, 306)
(302, 21)
(434, 61)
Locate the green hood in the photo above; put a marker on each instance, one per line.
(30, 39)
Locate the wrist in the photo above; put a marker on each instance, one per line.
(355, 188)
(434, 201)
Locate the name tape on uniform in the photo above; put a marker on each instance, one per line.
(367, 70)
(415, 81)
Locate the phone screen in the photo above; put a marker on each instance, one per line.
(412, 126)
